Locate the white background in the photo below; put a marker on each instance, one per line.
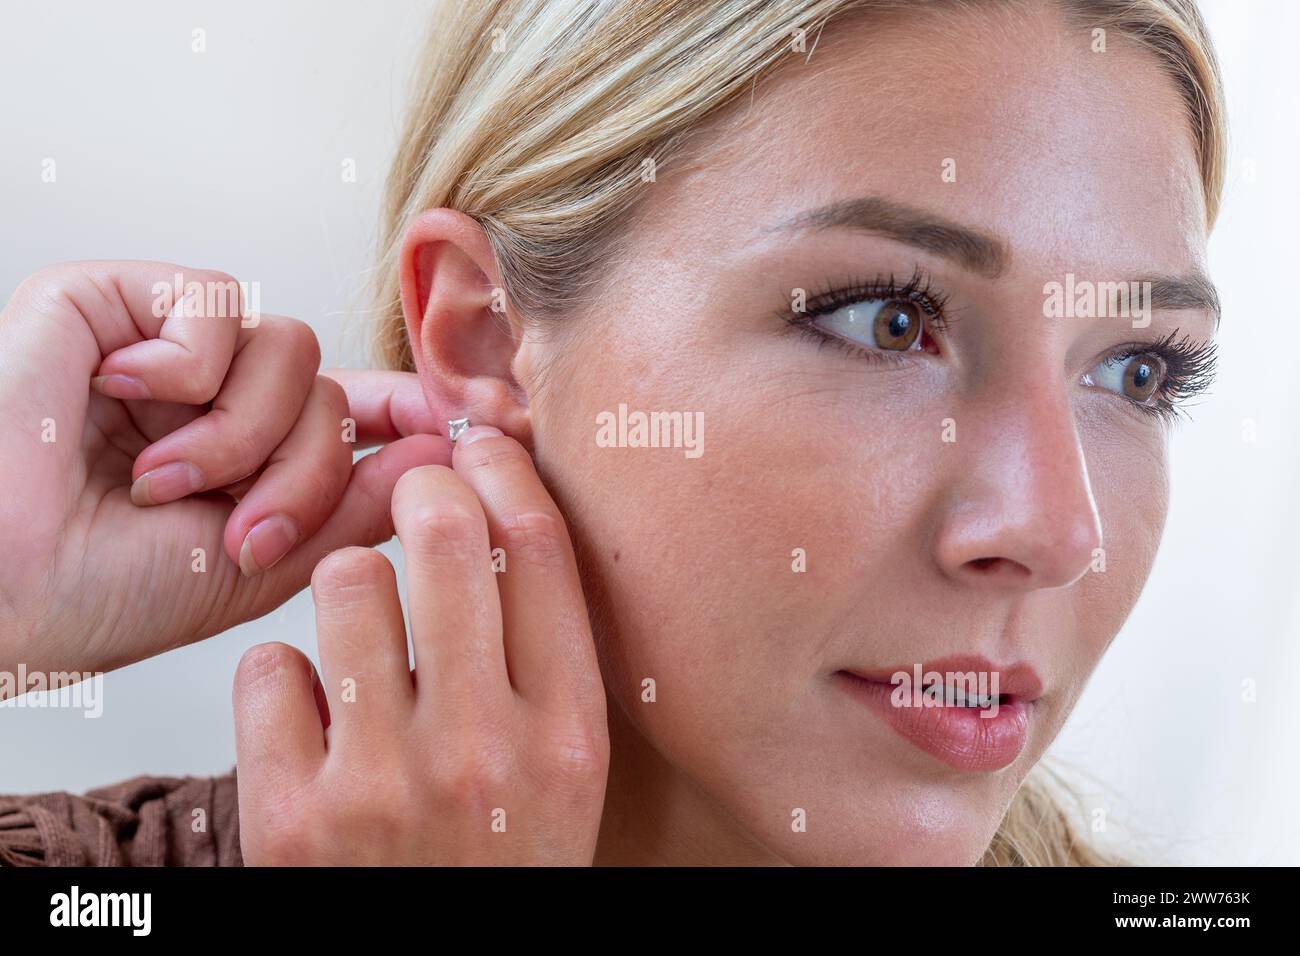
(231, 159)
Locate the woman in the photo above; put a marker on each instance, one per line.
(845, 336)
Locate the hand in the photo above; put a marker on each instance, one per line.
(497, 754)
(127, 437)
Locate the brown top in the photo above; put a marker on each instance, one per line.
(145, 821)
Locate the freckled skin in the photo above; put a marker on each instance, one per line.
(1083, 163)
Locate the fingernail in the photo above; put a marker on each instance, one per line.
(120, 386)
(475, 432)
(266, 543)
(166, 483)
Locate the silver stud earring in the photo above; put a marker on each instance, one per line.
(456, 427)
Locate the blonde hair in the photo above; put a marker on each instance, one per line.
(535, 118)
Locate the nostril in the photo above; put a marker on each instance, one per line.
(1003, 566)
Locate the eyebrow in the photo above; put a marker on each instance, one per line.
(980, 252)
(1191, 291)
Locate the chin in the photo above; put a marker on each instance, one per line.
(892, 814)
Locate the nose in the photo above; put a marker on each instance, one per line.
(1018, 510)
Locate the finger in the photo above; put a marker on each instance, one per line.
(362, 639)
(387, 405)
(133, 426)
(153, 420)
(264, 392)
(183, 359)
(450, 591)
(298, 487)
(86, 311)
(79, 312)
(238, 489)
(363, 517)
(548, 642)
(279, 739)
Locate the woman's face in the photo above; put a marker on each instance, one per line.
(949, 495)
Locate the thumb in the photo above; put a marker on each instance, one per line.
(387, 405)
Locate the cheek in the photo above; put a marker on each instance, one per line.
(722, 577)
(1131, 487)
(1130, 484)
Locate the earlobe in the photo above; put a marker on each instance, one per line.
(463, 333)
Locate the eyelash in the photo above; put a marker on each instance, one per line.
(1189, 366)
(918, 290)
(1189, 371)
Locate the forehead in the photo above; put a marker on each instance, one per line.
(1081, 159)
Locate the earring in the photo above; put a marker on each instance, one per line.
(456, 426)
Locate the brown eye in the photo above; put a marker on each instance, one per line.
(1141, 377)
(897, 325)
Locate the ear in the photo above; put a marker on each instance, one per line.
(462, 331)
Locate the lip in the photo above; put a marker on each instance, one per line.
(957, 736)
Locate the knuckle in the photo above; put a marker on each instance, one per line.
(579, 757)
(387, 815)
(52, 279)
(319, 480)
(201, 379)
(331, 394)
(539, 537)
(319, 488)
(222, 295)
(217, 277)
(381, 822)
(420, 483)
(244, 446)
(299, 340)
(445, 529)
(495, 452)
(52, 286)
(477, 782)
(284, 832)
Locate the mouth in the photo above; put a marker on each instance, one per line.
(964, 711)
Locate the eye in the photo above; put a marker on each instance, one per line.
(891, 324)
(877, 318)
(1136, 377)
